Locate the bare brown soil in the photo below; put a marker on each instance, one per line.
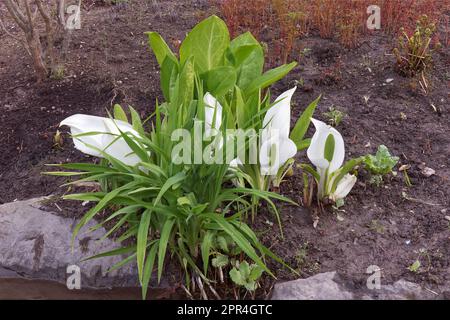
(390, 226)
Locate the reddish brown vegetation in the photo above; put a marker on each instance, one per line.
(288, 20)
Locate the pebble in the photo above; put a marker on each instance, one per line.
(428, 172)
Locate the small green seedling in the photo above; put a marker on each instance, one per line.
(220, 261)
(376, 180)
(380, 164)
(246, 275)
(334, 116)
(415, 266)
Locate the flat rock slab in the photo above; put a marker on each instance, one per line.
(37, 244)
(327, 286)
(319, 287)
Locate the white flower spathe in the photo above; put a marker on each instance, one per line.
(327, 168)
(106, 138)
(275, 146)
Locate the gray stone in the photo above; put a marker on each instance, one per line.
(327, 286)
(37, 244)
(400, 290)
(319, 287)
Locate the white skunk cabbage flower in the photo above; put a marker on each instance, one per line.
(327, 153)
(213, 113)
(275, 146)
(106, 138)
(343, 187)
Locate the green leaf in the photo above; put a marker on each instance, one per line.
(187, 84)
(159, 47)
(222, 243)
(305, 143)
(207, 43)
(119, 114)
(239, 239)
(302, 125)
(248, 56)
(136, 121)
(238, 105)
(382, 163)
(114, 252)
(148, 269)
(246, 275)
(142, 242)
(219, 80)
(307, 168)
(237, 277)
(269, 77)
(169, 73)
(346, 168)
(415, 266)
(163, 242)
(205, 249)
(99, 206)
(220, 261)
(255, 272)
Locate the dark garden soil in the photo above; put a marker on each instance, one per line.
(390, 226)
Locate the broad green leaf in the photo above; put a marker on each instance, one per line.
(219, 81)
(159, 47)
(269, 77)
(207, 43)
(248, 57)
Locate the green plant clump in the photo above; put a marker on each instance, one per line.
(382, 163)
(414, 52)
(193, 212)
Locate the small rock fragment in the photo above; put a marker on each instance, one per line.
(428, 172)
